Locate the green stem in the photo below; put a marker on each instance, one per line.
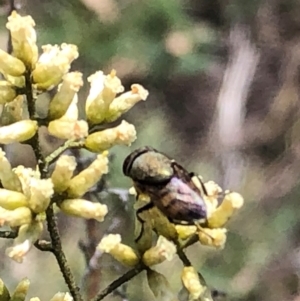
(121, 280)
(55, 154)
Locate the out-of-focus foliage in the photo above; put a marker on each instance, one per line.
(224, 101)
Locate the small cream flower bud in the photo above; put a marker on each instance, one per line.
(164, 250)
(102, 92)
(112, 244)
(12, 199)
(87, 178)
(10, 65)
(125, 102)
(72, 111)
(191, 282)
(124, 134)
(63, 172)
(25, 175)
(112, 86)
(7, 92)
(35, 299)
(21, 290)
(12, 111)
(16, 217)
(62, 297)
(65, 129)
(23, 38)
(84, 208)
(60, 103)
(184, 232)
(232, 201)
(41, 190)
(53, 64)
(27, 236)
(8, 178)
(4, 293)
(16, 81)
(213, 237)
(18, 132)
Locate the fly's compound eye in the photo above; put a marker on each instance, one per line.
(127, 164)
(146, 165)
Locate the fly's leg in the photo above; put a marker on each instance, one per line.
(143, 228)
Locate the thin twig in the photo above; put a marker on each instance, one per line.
(121, 280)
(34, 141)
(8, 234)
(44, 245)
(60, 255)
(186, 262)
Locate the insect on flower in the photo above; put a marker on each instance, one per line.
(169, 186)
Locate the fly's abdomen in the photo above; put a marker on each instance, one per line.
(179, 202)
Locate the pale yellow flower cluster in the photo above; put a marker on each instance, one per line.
(21, 291)
(25, 197)
(49, 70)
(163, 250)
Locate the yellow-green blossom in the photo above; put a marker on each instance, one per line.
(62, 297)
(17, 132)
(7, 92)
(4, 293)
(124, 134)
(112, 244)
(232, 201)
(53, 64)
(63, 172)
(190, 280)
(16, 217)
(84, 208)
(41, 191)
(23, 38)
(65, 129)
(9, 179)
(10, 65)
(102, 92)
(21, 290)
(87, 178)
(213, 237)
(125, 102)
(12, 199)
(26, 175)
(66, 91)
(27, 236)
(185, 231)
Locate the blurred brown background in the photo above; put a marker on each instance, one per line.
(224, 87)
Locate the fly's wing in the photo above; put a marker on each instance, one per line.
(184, 203)
(186, 177)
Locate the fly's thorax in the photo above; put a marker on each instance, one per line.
(148, 166)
